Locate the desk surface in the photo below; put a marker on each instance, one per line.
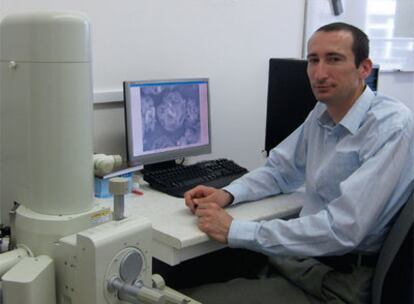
(176, 237)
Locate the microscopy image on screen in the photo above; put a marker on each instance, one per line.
(170, 116)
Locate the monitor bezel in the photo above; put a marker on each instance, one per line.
(164, 156)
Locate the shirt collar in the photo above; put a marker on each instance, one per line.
(354, 117)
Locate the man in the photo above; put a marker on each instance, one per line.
(354, 153)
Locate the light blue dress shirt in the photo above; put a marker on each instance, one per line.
(357, 175)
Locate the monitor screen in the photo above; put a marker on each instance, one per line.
(166, 119)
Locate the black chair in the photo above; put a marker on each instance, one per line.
(393, 277)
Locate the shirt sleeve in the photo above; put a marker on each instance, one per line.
(283, 172)
(346, 220)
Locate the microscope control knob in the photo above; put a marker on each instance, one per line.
(135, 293)
(158, 281)
(118, 185)
(150, 295)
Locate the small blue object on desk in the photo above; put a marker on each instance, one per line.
(102, 185)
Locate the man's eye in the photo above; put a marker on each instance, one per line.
(312, 60)
(334, 59)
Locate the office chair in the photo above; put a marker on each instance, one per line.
(393, 277)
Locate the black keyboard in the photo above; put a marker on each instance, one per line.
(178, 179)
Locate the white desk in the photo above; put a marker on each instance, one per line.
(176, 237)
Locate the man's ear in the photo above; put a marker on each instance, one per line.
(365, 68)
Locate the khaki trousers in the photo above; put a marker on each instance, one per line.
(291, 280)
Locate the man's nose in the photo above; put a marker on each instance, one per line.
(320, 71)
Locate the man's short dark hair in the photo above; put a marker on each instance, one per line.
(360, 46)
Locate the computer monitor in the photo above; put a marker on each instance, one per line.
(372, 79)
(289, 99)
(166, 120)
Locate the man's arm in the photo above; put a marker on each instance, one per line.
(283, 172)
(369, 199)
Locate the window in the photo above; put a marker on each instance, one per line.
(388, 23)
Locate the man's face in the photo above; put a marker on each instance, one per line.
(333, 76)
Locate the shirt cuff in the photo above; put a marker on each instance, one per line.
(242, 234)
(237, 191)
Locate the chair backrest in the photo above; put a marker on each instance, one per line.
(393, 277)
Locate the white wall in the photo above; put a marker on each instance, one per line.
(399, 85)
